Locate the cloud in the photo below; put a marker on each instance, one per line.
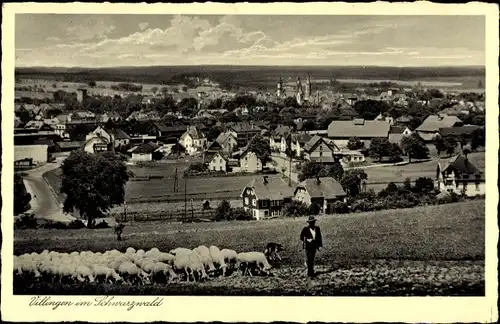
(143, 25)
(90, 30)
(53, 39)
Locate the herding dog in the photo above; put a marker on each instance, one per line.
(272, 251)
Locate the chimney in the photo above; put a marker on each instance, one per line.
(265, 180)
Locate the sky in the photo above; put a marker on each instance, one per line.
(95, 40)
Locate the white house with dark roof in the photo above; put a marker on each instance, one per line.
(460, 176)
(218, 162)
(319, 149)
(143, 152)
(193, 140)
(264, 197)
(96, 144)
(340, 131)
(321, 191)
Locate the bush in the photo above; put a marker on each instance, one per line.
(102, 224)
(340, 207)
(294, 208)
(76, 224)
(239, 214)
(313, 209)
(447, 198)
(26, 221)
(362, 205)
(55, 225)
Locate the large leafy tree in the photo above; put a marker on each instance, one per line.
(314, 169)
(352, 181)
(21, 197)
(381, 147)
(369, 109)
(415, 147)
(477, 139)
(261, 148)
(93, 183)
(355, 143)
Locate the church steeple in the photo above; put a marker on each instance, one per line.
(279, 88)
(308, 86)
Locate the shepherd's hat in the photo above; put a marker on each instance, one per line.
(311, 219)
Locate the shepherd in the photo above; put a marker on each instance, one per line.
(312, 242)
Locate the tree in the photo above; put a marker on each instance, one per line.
(223, 210)
(213, 133)
(424, 185)
(352, 180)
(295, 208)
(290, 102)
(92, 84)
(312, 169)
(21, 196)
(336, 171)
(369, 109)
(477, 139)
(261, 148)
(154, 90)
(355, 143)
(450, 145)
(415, 147)
(93, 183)
(381, 147)
(188, 106)
(184, 88)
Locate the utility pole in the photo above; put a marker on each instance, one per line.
(176, 176)
(192, 210)
(185, 198)
(290, 160)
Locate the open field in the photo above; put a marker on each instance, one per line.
(436, 250)
(379, 177)
(161, 190)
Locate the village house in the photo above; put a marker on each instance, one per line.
(431, 125)
(36, 153)
(96, 144)
(351, 156)
(227, 141)
(68, 146)
(266, 196)
(318, 149)
(244, 132)
(299, 141)
(143, 152)
(383, 117)
(340, 131)
(278, 136)
(166, 133)
(249, 162)
(119, 137)
(214, 147)
(193, 140)
(218, 162)
(320, 191)
(397, 133)
(460, 176)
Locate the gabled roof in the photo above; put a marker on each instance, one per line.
(194, 132)
(211, 156)
(456, 131)
(397, 129)
(214, 146)
(301, 138)
(245, 127)
(274, 189)
(327, 188)
(434, 122)
(119, 134)
(315, 140)
(461, 165)
(145, 148)
(358, 128)
(103, 139)
(281, 131)
(223, 137)
(71, 144)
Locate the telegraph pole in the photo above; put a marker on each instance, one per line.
(185, 198)
(176, 176)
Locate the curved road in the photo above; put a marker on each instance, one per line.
(44, 203)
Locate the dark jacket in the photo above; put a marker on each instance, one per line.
(306, 234)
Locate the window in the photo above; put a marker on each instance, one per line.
(254, 202)
(246, 200)
(477, 186)
(320, 154)
(448, 182)
(266, 213)
(264, 203)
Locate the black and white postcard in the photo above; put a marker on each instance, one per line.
(240, 162)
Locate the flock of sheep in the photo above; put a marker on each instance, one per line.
(138, 267)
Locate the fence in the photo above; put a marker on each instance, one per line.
(170, 217)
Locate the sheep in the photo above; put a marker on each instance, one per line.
(180, 250)
(81, 272)
(181, 263)
(140, 253)
(103, 271)
(163, 269)
(230, 257)
(257, 259)
(218, 258)
(132, 273)
(205, 257)
(130, 251)
(165, 257)
(197, 266)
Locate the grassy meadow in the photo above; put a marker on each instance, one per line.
(436, 250)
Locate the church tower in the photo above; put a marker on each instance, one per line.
(308, 86)
(279, 88)
(299, 92)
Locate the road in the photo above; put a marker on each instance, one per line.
(44, 203)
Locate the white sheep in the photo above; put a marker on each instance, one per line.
(230, 257)
(82, 272)
(197, 266)
(218, 258)
(258, 259)
(100, 271)
(130, 251)
(180, 250)
(164, 269)
(132, 273)
(205, 257)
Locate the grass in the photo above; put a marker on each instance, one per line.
(444, 232)
(426, 251)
